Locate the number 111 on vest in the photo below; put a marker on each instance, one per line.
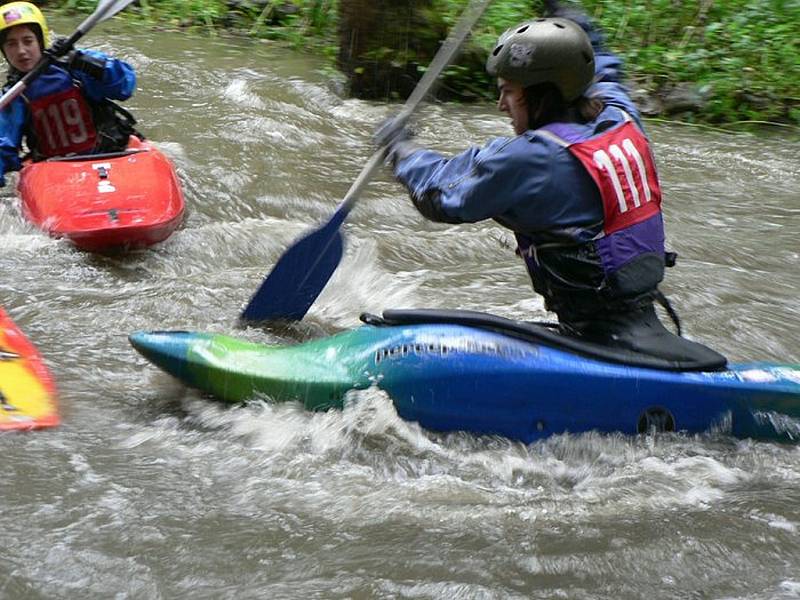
(622, 166)
(605, 162)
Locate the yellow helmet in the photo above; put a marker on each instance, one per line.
(23, 13)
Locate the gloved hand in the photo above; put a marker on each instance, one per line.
(396, 138)
(60, 47)
(94, 66)
(76, 60)
(391, 131)
(554, 8)
(551, 8)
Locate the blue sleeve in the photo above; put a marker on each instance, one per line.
(118, 82)
(12, 120)
(480, 183)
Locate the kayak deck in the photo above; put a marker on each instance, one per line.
(451, 377)
(129, 199)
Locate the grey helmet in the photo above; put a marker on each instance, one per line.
(547, 50)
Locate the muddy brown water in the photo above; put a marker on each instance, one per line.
(148, 490)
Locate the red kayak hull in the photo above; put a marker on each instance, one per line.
(125, 200)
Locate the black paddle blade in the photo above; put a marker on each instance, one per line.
(298, 277)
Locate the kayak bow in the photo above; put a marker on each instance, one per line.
(128, 199)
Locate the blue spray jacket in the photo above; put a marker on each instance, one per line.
(118, 82)
(534, 185)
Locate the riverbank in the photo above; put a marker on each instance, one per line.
(704, 62)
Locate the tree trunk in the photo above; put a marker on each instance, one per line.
(382, 43)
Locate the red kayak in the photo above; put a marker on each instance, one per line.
(102, 202)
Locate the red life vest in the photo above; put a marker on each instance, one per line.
(621, 164)
(620, 269)
(63, 123)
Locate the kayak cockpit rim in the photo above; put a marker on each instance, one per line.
(540, 333)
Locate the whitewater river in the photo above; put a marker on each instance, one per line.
(148, 490)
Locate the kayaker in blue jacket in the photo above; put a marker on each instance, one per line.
(67, 109)
(577, 184)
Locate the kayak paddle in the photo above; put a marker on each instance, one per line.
(304, 269)
(105, 10)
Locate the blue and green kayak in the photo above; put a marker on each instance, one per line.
(466, 371)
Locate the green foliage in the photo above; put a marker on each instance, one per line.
(742, 53)
(183, 13)
(80, 5)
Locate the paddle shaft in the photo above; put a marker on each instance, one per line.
(105, 10)
(443, 57)
(305, 268)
